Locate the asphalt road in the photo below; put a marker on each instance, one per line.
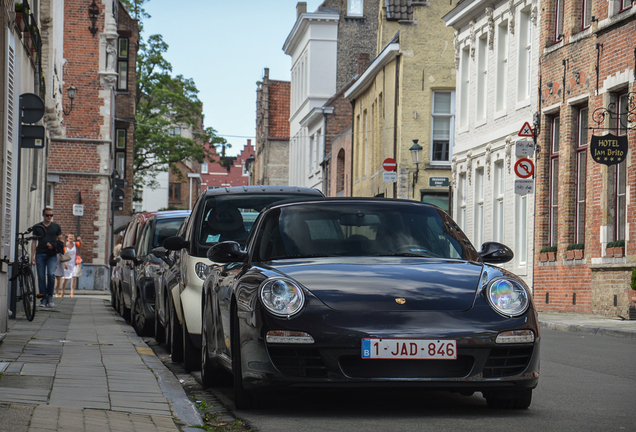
(588, 383)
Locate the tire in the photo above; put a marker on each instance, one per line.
(191, 355)
(139, 321)
(27, 283)
(160, 331)
(113, 298)
(242, 398)
(125, 312)
(211, 375)
(176, 336)
(120, 303)
(520, 399)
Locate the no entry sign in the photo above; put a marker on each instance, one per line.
(389, 164)
(524, 168)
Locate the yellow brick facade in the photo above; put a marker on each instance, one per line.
(393, 101)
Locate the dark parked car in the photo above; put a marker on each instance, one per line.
(370, 291)
(218, 215)
(138, 265)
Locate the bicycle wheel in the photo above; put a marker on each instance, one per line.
(27, 284)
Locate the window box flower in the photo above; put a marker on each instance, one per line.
(575, 251)
(548, 253)
(615, 249)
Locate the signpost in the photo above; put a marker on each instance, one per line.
(389, 164)
(389, 177)
(526, 131)
(524, 168)
(438, 181)
(524, 148)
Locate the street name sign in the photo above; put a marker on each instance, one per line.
(524, 187)
(438, 181)
(389, 176)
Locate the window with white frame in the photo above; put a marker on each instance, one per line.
(554, 181)
(558, 20)
(120, 152)
(581, 175)
(482, 77)
(502, 65)
(479, 207)
(620, 192)
(586, 18)
(464, 90)
(525, 56)
(204, 167)
(498, 204)
(521, 240)
(443, 122)
(355, 8)
(461, 198)
(122, 64)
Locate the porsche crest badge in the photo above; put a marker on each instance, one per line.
(400, 301)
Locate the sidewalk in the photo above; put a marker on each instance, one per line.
(78, 366)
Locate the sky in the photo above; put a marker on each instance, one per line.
(224, 46)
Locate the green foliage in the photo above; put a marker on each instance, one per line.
(164, 102)
(19, 7)
(549, 249)
(618, 243)
(633, 283)
(576, 246)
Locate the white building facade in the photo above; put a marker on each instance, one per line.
(496, 56)
(312, 46)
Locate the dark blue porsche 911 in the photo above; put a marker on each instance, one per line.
(367, 291)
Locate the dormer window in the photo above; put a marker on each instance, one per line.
(355, 8)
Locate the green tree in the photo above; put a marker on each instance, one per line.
(164, 102)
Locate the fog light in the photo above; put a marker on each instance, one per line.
(515, 336)
(288, 336)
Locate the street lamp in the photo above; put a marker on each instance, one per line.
(71, 92)
(416, 155)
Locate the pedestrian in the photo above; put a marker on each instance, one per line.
(45, 258)
(59, 270)
(70, 272)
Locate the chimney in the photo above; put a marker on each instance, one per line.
(363, 63)
(301, 8)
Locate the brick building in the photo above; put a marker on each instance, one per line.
(184, 185)
(226, 171)
(587, 75)
(95, 139)
(271, 165)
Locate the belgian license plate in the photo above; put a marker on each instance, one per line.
(420, 349)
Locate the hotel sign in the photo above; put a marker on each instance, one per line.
(608, 149)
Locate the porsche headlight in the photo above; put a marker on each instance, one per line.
(202, 270)
(282, 297)
(507, 296)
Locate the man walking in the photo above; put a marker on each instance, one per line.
(45, 258)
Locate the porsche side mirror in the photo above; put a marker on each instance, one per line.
(495, 253)
(176, 243)
(226, 252)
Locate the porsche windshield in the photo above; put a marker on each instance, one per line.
(361, 229)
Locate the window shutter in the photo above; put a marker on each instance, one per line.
(11, 131)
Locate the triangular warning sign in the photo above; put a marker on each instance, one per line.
(526, 130)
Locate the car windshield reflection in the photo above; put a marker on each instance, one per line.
(361, 229)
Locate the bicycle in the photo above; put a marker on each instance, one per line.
(24, 273)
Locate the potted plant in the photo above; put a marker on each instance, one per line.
(574, 251)
(615, 249)
(548, 253)
(19, 14)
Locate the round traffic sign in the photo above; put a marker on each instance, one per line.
(389, 164)
(524, 168)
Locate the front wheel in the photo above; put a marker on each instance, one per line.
(211, 374)
(139, 321)
(242, 398)
(176, 336)
(160, 331)
(191, 355)
(519, 399)
(27, 283)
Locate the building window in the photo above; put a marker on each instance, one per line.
(440, 199)
(620, 178)
(498, 210)
(174, 192)
(502, 65)
(461, 198)
(443, 126)
(464, 90)
(525, 56)
(558, 21)
(479, 207)
(122, 64)
(554, 181)
(586, 18)
(581, 176)
(355, 8)
(204, 167)
(626, 4)
(175, 131)
(120, 152)
(49, 197)
(482, 78)
(340, 173)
